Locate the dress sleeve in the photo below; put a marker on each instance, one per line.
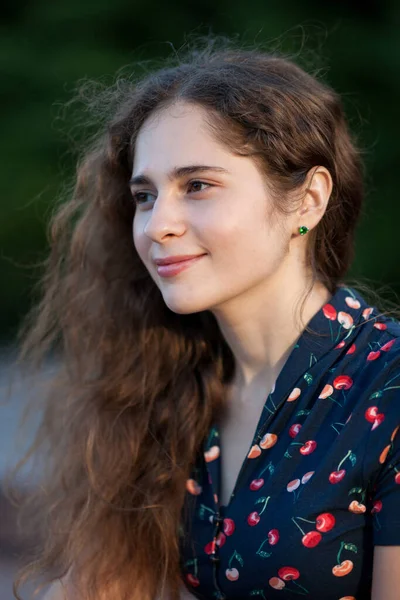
(383, 451)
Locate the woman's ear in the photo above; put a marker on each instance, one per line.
(317, 190)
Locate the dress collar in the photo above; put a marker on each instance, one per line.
(333, 327)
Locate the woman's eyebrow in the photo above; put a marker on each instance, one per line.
(177, 173)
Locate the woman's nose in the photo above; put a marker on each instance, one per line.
(165, 218)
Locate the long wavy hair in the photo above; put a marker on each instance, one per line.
(125, 414)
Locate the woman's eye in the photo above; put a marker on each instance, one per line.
(141, 197)
(191, 183)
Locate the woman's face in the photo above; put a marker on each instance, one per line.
(222, 212)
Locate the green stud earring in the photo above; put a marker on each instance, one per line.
(303, 230)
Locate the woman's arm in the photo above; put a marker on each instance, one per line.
(386, 573)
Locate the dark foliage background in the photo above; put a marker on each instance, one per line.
(47, 46)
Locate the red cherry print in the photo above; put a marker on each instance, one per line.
(380, 326)
(307, 476)
(371, 413)
(342, 382)
(329, 312)
(352, 349)
(192, 580)
(268, 441)
(384, 453)
(288, 573)
(294, 430)
(232, 574)
(325, 522)
(311, 539)
(273, 537)
(345, 319)
(193, 487)
(254, 452)
(340, 345)
(343, 569)
(293, 485)
(211, 454)
(357, 507)
(210, 547)
(253, 518)
(229, 526)
(294, 394)
(367, 312)
(220, 539)
(352, 302)
(337, 476)
(377, 506)
(373, 355)
(276, 583)
(378, 421)
(308, 447)
(386, 347)
(326, 392)
(256, 484)
(397, 478)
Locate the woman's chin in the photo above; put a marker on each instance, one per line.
(185, 307)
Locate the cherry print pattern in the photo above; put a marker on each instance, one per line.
(323, 464)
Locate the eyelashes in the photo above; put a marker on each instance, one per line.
(140, 198)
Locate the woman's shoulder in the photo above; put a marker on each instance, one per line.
(376, 336)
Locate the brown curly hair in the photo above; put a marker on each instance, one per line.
(138, 386)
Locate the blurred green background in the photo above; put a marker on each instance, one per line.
(48, 45)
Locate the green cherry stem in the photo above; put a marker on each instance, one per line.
(267, 468)
(339, 332)
(296, 592)
(307, 520)
(272, 402)
(342, 461)
(340, 552)
(207, 508)
(349, 332)
(350, 292)
(297, 525)
(262, 544)
(393, 378)
(333, 400)
(231, 558)
(265, 505)
(300, 586)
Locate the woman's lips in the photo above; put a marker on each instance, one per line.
(175, 268)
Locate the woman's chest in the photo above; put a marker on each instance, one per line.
(300, 518)
(235, 438)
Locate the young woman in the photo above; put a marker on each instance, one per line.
(225, 424)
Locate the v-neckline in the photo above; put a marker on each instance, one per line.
(333, 323)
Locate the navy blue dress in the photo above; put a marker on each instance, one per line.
(320, 485)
